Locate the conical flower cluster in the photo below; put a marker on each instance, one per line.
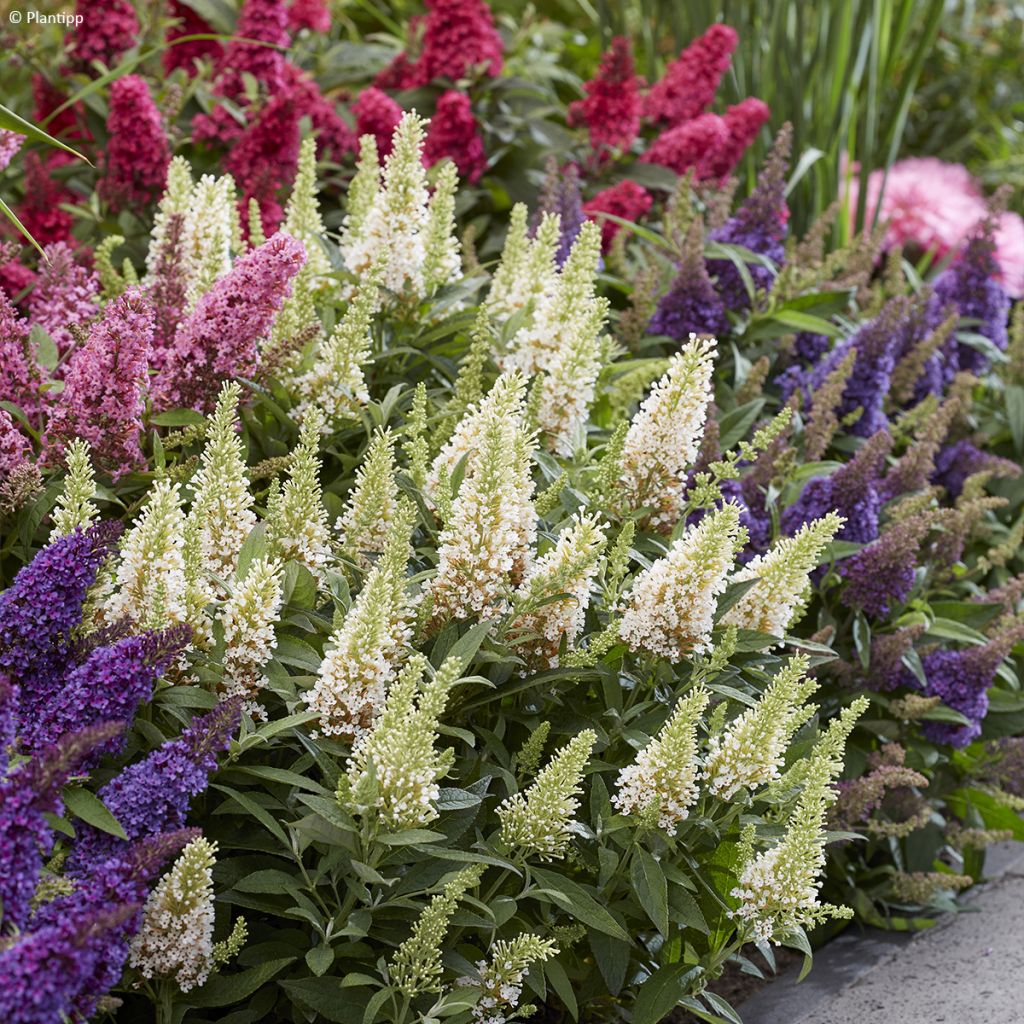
(151, 581)
(335, 384)
(296, 518)
(568, 307)
(537, 822)
(665, 434)
(416, 965)
(75, 507)
(222, 507)
(394, 769)
(368, 648)
(486, 545)
(501, 975)
(527, 272)
(248, 618)
(176, 937)
(769, 605)
(568, 569)
(751, 751)
(778, 890)
(671, 608)
(398, 220)
(368, 517)
(661, 784)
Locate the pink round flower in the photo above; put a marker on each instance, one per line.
(453, 133)
(934, 206)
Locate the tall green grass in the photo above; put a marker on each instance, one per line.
(842, 71)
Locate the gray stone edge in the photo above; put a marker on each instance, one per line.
(851, 956)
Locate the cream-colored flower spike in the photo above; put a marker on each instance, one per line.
(569, 568)
(505, 401)
(537, 821)
(670, 610)
(151, 584)
(212, 234)
(398, 221)
(367, 650)
(769, 606)
(367, 520)
(567, 387)
(778, 888)
(564, 309)
(296, 518)
(223, 504)
(176, 937)
(486, 545)
(665, 435)
(248, 619)
(751, 751)
(661, 784)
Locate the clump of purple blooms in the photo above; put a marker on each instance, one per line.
(560, 193)
(65, 701)
(759, 225)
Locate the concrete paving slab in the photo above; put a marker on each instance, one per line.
(968, 969)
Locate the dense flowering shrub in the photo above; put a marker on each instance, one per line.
(551, 606)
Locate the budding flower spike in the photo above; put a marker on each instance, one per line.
(367, 520)
(538, 822)
(783, 578)
(75, 506)
(248, 619)
(395, 768)
(569, 568)
(335, 384)
(402, 220)
(661, 784)
(369, 647)
(487, 543)
(416, 965)
(670, 610)
(564, 309)
(222, 506)
(664, 436)
(151, 580)
(296, 518)
(501, 975)
(778, 890)
(751, 751)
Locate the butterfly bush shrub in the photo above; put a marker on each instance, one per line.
(537, 582)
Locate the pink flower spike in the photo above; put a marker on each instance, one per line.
(107, 29)
(459, 35)
(312, 14)
(219, 339)
(137, 153)
(102, 396)
(66, 295)
(19, 375)
(10, 143)
(611, 110)
(744, 121)
(377, 114)
(691, 80)
(692, 145)
(454, 133)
